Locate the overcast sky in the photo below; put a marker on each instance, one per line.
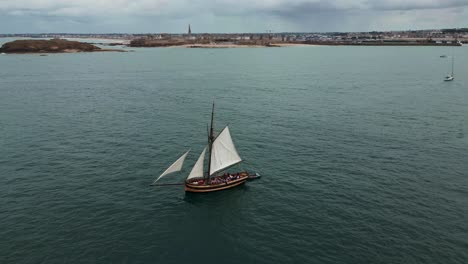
(138, 16)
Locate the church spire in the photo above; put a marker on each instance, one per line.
(189, 30)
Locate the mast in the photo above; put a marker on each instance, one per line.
(453, 62)
(210, 145)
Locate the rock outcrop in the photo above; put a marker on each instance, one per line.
(48, 46)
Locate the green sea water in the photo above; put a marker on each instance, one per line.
(363, 152)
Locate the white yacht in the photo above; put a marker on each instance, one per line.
(450, 77)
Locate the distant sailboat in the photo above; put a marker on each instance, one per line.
(222, 155)
(450, 77)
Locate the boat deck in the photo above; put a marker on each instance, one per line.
(217, 183)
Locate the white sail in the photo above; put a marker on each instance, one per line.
(197, 170)
(223, 152)
(176, 166)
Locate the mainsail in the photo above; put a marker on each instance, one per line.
(197, 170)
(176, 166)
(223, 152)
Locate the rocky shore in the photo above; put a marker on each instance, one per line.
(49, 46)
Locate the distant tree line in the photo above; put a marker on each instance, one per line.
(455, 30)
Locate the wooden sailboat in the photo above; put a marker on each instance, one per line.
(222, 155)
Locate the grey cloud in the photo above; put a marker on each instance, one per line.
(286, 8)
(386, 5)
(229, 15)
(307, 8)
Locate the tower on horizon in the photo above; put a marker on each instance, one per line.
(189, 30)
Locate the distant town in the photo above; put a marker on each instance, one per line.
(434, 37)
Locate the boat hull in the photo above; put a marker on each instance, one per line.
(189, 187)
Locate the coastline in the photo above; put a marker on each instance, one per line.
(53, 46)
(149, 43)
(224, 46)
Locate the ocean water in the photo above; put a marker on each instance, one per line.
(363, 152)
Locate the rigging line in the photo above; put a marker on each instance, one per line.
(166, 184)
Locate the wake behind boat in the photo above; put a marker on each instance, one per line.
(222, 156)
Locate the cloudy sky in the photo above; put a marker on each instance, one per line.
(137, 16)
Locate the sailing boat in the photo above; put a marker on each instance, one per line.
(222, 155)
(450, 77)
